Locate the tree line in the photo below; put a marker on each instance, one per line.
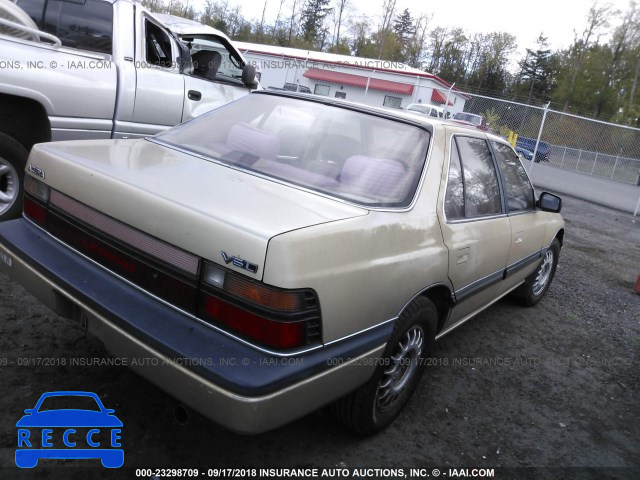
(596, 76)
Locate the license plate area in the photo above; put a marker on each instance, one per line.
(81, 317)
(68, 309)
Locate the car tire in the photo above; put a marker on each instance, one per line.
(13, 157)
(537, 284)
(374, 405)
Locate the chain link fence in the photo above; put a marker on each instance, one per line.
(590, 159)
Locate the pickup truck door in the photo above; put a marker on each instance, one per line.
(204, 95)
(160, 92)
(216, 76)
(475, 227)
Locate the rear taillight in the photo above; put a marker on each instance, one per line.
(36, 188)
(36, 200)
(153, 276)
(256, 293)
(34, 211)
(281, 335)
(273, 317)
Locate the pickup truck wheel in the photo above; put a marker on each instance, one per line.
(537, 284)
(13, 157)
(374, 405)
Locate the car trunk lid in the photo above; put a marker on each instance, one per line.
(197, 205)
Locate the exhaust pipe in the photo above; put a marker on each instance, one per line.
(181, 414)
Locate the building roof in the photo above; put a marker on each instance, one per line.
(358, 81)
(345, 60)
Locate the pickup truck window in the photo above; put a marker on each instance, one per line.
(158, 45)
(87, 26)
(213, 60)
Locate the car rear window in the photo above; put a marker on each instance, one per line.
(353, 155)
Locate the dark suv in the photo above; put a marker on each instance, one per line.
(544, 149)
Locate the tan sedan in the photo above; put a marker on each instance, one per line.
(283, 252)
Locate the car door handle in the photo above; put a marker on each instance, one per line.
(194, 95)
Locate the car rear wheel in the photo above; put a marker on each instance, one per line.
(537, 284)
(374, 405)
(13, 157)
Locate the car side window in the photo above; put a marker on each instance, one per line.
(214, 59)
(85, 25)
(520, 195)
(480, 179)
(454, 197)
(34, 8)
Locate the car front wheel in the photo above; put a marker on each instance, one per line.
(374, 405)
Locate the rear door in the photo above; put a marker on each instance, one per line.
(476, 229)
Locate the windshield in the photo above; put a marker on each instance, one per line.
(349, 154)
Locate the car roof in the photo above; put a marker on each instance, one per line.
(403, 115)
(416, 118)
(400, 114)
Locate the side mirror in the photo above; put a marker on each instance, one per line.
(249, 76)
(549, 202)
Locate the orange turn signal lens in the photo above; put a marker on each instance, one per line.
(264, 295)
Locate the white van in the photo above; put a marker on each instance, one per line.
(430, 110)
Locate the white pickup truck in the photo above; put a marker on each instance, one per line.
(89, 69)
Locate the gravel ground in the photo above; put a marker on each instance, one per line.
(551, 389)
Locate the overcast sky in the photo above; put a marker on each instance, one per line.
(557, 19)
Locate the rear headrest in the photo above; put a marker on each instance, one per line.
(378, 176)
(251, 140)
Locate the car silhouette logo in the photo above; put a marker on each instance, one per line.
(69, 425)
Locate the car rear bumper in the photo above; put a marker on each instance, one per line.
(233, 384)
